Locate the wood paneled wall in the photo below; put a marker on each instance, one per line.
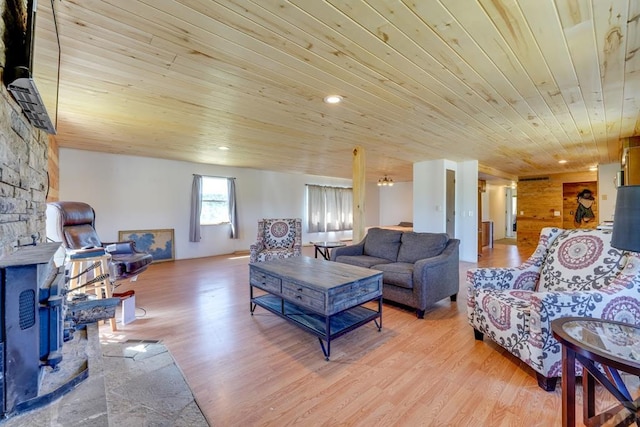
(538, 200)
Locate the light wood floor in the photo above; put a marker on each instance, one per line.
(259, 370)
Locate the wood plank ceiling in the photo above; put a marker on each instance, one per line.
(517, 85)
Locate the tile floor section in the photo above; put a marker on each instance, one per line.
(134, 383)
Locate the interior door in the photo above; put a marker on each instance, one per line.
(451, 203)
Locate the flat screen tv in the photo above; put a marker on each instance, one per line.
(36, 76)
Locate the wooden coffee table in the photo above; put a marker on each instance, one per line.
(322, 297)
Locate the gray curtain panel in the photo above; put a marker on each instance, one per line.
(196, 209)
(233, 214)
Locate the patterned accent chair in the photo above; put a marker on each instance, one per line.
(572, 273)
(277, 239)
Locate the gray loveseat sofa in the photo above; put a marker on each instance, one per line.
(418, 269)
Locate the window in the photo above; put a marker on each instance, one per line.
(215, 201)
(329, 208)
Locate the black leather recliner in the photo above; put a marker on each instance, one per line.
(72, 224)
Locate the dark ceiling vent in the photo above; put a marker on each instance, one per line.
(541, 178)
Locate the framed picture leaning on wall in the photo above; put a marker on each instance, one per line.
(158, 243)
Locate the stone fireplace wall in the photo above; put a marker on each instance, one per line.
(23, 160)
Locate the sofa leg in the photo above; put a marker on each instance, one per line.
(547, 384)
(479, 336)
(420, 314)
(454, 297)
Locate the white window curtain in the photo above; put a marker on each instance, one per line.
(344, 219)
(329, 208)
(196, 208)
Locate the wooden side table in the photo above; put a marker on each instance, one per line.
(596, 343)
(322, 248)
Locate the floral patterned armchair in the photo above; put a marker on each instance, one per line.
(277, 239)
(572, 273)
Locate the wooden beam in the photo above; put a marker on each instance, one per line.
(359, 168)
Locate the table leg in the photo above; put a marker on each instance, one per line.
(588, 396)
(568, 387)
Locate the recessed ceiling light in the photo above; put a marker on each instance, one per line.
(562, 162)
(593, 168)
(223, 148)
(333, 99)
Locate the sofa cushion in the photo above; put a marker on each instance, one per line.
(580, 259)
(416, 246)
(361, 260)
(397, 273)
(381, 243)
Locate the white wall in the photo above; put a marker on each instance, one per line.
(429, 202)
(429, 196)
(139, 193)
(496, 211)
(607, 190)
(396, 203)
(371, 204)
(467, 205)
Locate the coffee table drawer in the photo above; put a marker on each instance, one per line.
(303, 295)
(355, 294)
(265, 281)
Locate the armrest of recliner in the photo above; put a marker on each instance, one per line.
(121, 248)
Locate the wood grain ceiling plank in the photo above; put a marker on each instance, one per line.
(551, 41)
(611, 35)
(316, 43)
(262, 68)
(508, 18)
(475, 21)
(436, 81)
(370, 88)
(99, 14)
(577, 23)
(631, 101)
(470, 85)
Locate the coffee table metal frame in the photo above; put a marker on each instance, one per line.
(591, 358)
(325, 327)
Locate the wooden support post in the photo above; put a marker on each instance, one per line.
(358, 193)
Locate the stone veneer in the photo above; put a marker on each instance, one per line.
(23, 166)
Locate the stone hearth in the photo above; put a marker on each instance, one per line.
(129, 384)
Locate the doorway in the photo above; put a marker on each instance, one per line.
(511, 211)
(451, 204)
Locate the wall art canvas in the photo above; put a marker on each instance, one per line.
(159, 243)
